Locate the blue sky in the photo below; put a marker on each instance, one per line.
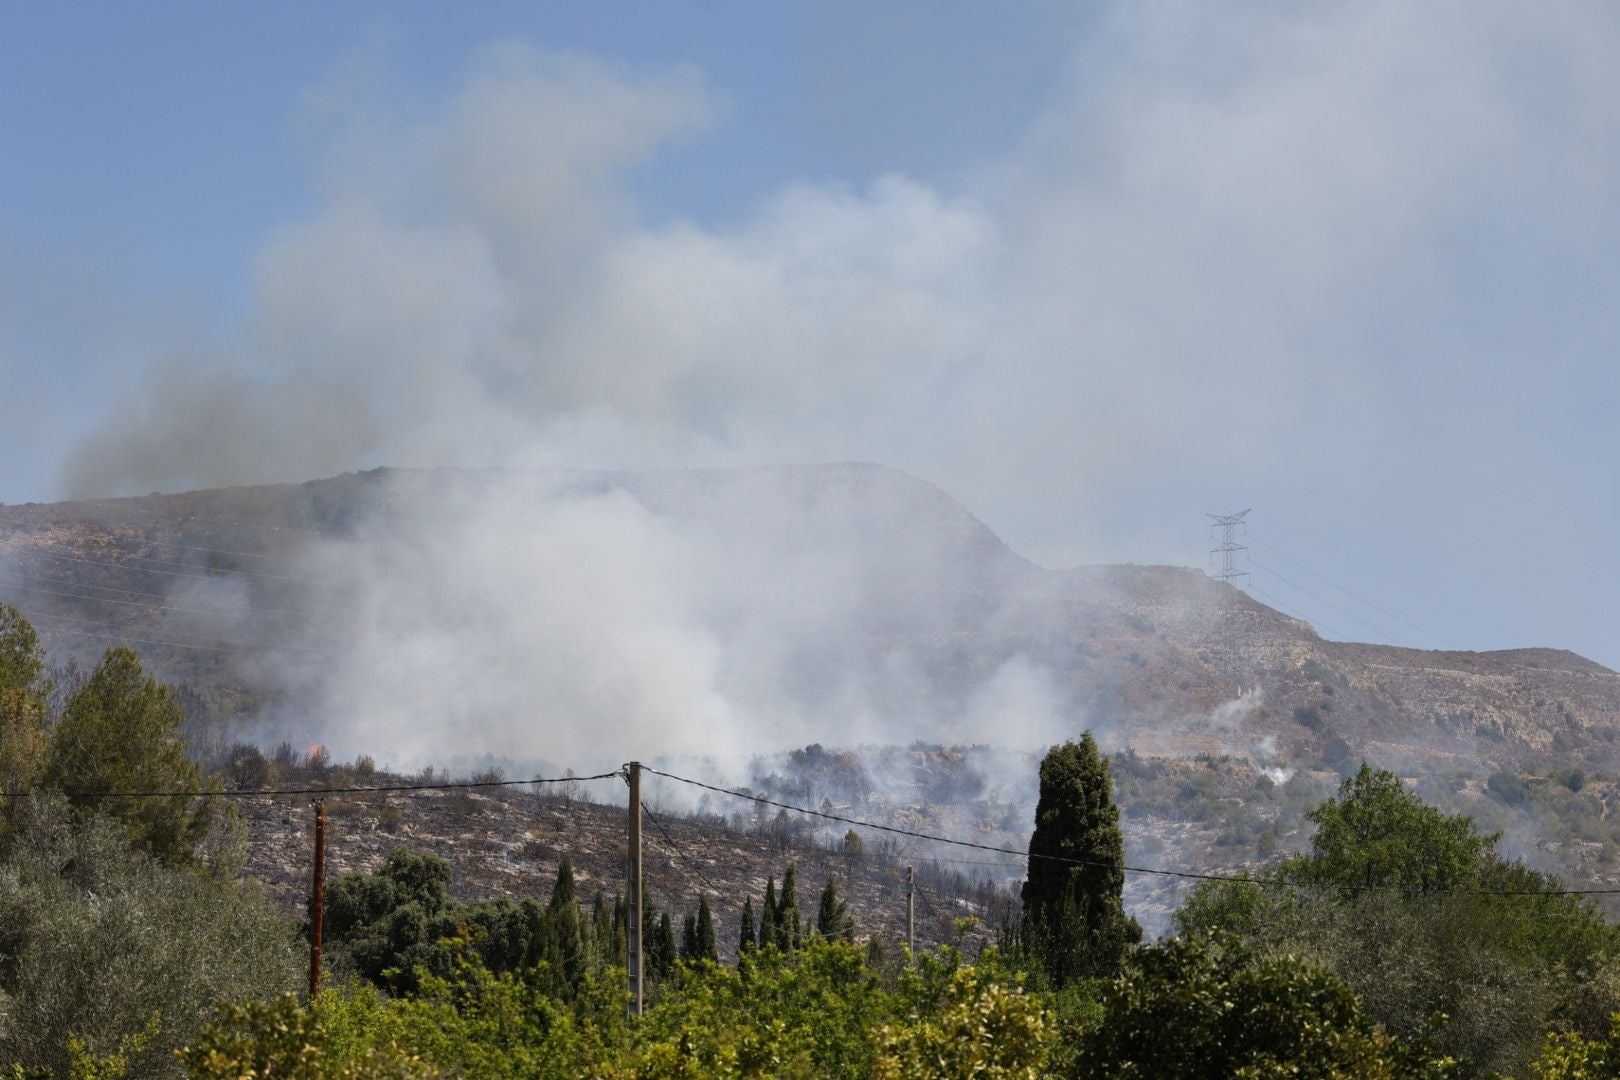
(1094, 270)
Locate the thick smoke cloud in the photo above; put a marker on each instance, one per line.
(1224, 236)
(1221, 215)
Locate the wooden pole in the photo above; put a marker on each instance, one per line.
(911, 912)
(636, 966)
(317, 905)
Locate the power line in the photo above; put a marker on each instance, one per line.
(1380, 631)
(225, 645)
(79, 584)
(22, 584)
(257, 792)
(1240, 878)
(1285, 609)
(676, 848)
(1355, 596)
(189, 571)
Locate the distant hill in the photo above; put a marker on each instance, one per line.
(207, 585)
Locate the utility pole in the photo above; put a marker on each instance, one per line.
(633, 889)
(1229, 573)
(317, 904)
(911, 914)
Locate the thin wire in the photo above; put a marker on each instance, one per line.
(1306, 619)
(1354, 596)
(1347, 613)
(226, 644)
(1265, 882)
(257, 792)
(149, 605)
(78, 584)
(170, 573)
(679, 853)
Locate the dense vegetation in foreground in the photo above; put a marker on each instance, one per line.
(1399, 944)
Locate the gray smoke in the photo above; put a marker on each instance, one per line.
(1217, 214)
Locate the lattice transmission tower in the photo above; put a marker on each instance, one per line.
(1230, 526)
(1229, 548)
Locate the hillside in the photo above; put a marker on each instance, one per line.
(473, 619)
(213, 586)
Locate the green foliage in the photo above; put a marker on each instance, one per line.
(983, 1027)
(1568, 1056)
(767, 916)
(121, 732)
(832, 914)
(260, 1040)
(706, 946)
(1375, 833)
(1196, 1007)
(1074, 920)
(786, 924)
(108, 954)
(391, 926)
(746, 938)
(23, 693)
(1502, 969)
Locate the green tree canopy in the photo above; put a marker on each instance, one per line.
(23, 692)
(1194, 1007)
(832, 913)
(1414, 910)
(121, 732)
(1074, 919)
(1375, 833)
(707, 948)
(745, 927)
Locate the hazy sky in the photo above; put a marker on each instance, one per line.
(1095, 270)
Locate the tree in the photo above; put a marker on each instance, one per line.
(1414, 911)
(111, 947)
(121, 732)
(566, 937)
(23, 693)
(1375, 833)
(661, 948)
(767, 917)
(1205, 1006)
(745, 931)
(689, 940)
(832, 914)
(789, 932)
(706, 946)
(1074, 921)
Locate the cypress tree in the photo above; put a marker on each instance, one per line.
(621, 930)
(661, 949)
(568, 935)
(707, 948)
(1074, 916)
(600, 944)
(788, 930)
(745, 932)
(832, 914)
(768, 918)
(689, 941)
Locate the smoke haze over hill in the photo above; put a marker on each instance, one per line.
(1225, 248)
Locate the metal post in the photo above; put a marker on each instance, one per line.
(911, 912)
(317, 905)
(633, 775)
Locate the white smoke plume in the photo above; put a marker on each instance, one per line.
(1218, 214)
